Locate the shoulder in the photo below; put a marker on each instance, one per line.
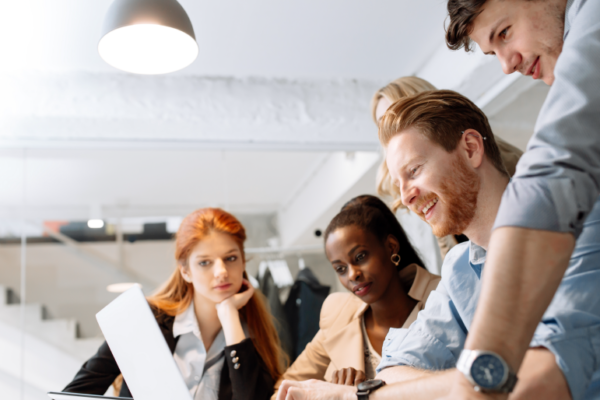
(455, 257)
(339, 308)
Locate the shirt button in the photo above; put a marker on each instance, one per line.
(235, 360)
(236, 366)
(233, 353)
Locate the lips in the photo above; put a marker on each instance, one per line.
(223, 286)
(534, 69)
(362, 289)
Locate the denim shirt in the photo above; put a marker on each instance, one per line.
(570, 328)
(558, 177)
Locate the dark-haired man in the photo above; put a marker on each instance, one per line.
(442, 155)
(558, 179)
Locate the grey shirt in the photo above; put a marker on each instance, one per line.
(558, 177)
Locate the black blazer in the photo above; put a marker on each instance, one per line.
(245, 383)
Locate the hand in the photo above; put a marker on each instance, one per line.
(463, 390)
(238, 300)
(348, 376)
(315, 390)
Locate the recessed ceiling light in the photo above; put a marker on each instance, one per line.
(95, 223)
(121, 287)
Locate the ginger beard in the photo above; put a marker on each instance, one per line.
(458, 195)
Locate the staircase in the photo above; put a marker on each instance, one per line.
(52, 351)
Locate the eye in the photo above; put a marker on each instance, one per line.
(502, 35)
(414, 170)
(232, 258)
(360, 256)
(339, 269)
(204, 263)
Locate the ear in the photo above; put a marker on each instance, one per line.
(392, 244)
(184, 271)
(472, 143)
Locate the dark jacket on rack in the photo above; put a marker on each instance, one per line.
(271, 292)
(246, 383)
(303, 308)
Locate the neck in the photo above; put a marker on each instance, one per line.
(493, 184)
(208, 319)
(394, 307)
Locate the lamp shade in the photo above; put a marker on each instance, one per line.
(147, 37)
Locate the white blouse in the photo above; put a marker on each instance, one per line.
(201, 370)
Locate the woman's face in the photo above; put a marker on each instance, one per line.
(382, 106)
(363, 264)
(215, 267)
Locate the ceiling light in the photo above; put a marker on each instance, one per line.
(95, 223)
(121, 287)
(148, 37)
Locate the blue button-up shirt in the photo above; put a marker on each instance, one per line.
(558, 178)
(570, 327)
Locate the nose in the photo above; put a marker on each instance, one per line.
(510, 60)
(408, 193)
(354, 273)
(220, 270)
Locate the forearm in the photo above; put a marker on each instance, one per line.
(402, 373)
(523, 270)
(428, 387)
(232, 326)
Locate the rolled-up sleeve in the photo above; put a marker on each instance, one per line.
(558, 178)
(432, 342)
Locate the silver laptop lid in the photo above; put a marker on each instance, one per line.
(140, 349)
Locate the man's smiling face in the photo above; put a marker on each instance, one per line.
(436, 185)
(526, 36)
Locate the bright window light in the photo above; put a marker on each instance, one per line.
(148, 49)
(121, 287)
(95, 223)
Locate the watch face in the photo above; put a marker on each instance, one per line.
(488, 371)
(370, 384)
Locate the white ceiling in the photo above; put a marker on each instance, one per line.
(356, 39)
(65, 184)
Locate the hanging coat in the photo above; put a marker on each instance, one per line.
(303, 309)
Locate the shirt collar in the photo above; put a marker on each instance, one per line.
(186, 322)
(477, 253)
(568, 17)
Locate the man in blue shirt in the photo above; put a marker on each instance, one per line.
(558, 178)
(442, 155)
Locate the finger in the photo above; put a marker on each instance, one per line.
(360, 377)
(335, 377)
(349, 381)
(283, 389)
(295, 393)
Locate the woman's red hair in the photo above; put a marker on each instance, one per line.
(176, 294)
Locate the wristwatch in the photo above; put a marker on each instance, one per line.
(367, 387)
(486, 371)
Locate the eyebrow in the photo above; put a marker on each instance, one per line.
(349, 253)
(233, 250)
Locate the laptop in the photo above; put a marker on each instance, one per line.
(140, 351)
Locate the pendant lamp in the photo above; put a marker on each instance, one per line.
(148, 37)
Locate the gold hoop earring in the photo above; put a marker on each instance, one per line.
(396, 259)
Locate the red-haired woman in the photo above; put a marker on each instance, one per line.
(216, 325)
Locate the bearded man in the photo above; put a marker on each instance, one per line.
(557, 180)
(442, 155)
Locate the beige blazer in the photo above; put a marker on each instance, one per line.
(339, 342)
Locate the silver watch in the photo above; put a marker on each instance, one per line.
(486, 371)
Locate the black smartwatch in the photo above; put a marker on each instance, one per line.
(367, 387)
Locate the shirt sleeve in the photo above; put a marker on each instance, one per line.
(432, 342)
(558, 178)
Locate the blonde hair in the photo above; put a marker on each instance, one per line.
(394, 91)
